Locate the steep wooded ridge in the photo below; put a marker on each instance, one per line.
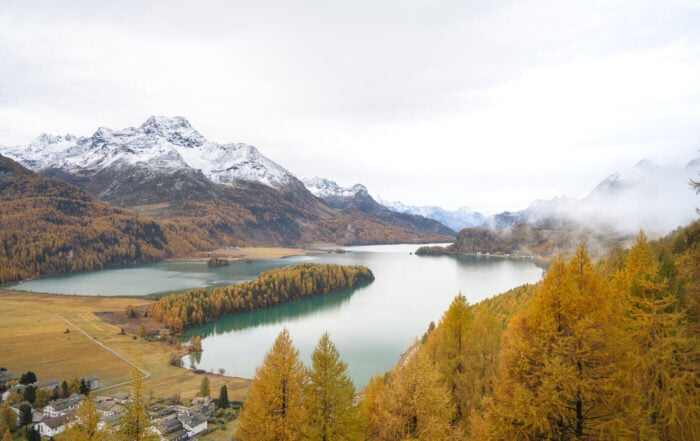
(48, 226)
(167, 170)
(198, 306)
(606, 351)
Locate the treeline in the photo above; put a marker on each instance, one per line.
(543, 240)
(607, 351)
(295, 282)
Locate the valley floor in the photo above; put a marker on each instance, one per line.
(33, 337)
(243, 253)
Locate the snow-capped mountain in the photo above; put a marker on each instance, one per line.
(357, 199)
(539, 210)
(229, 193)
(159, 144)
(325, 188)
(463, 217)
(646, 196)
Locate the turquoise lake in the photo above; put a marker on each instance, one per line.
(371, 326)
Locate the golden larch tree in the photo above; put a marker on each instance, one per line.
(558, 360)
(274, 409)
(662, 358)
(136, 425)
(329, 396)
(84, 424)
(416, 405)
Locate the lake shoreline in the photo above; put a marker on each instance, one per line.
(246, 253)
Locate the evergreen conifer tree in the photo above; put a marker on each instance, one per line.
(222, 402)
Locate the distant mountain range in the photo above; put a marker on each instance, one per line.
(358, 199)
(649, 197)
(167, 170)
(358, 194)
(462, 217)
(646, 196)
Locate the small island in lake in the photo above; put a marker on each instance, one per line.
(218, 261)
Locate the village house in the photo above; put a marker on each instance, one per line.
(52, 426)
(112, 421)
(63, 406)
(178, 423)
(93, 381)
(107, 407)
(48, 384)
(19, 388)
(5, 377)
(194, 423)
(15, 408)
(171, 429)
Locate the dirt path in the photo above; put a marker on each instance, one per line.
(107, 348)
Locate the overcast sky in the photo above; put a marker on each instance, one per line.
(487, 104)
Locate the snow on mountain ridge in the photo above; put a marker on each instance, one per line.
(456, 219)
(325, 188)
(160, 143)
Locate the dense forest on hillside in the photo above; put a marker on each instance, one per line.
(295, 282)
(542, 240)
(48, 226)
(609, 350)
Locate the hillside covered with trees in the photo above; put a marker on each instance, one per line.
(542, 240)
(295, 282)
(609, 350)
(48, 226)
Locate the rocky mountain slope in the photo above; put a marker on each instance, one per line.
(166, 169)
(49, 226)
(356, 200)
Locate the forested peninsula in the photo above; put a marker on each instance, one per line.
(198, 306)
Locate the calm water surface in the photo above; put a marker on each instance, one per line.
(371, 325)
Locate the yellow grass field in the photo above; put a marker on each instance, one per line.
(253, 253)
(33, 337)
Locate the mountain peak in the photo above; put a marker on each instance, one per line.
(160, 144)
(162, 123)
(325, 188)
(177, 130)
(46, 139)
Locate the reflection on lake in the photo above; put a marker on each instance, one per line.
(371, 325)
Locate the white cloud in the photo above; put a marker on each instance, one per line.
(489, 105)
